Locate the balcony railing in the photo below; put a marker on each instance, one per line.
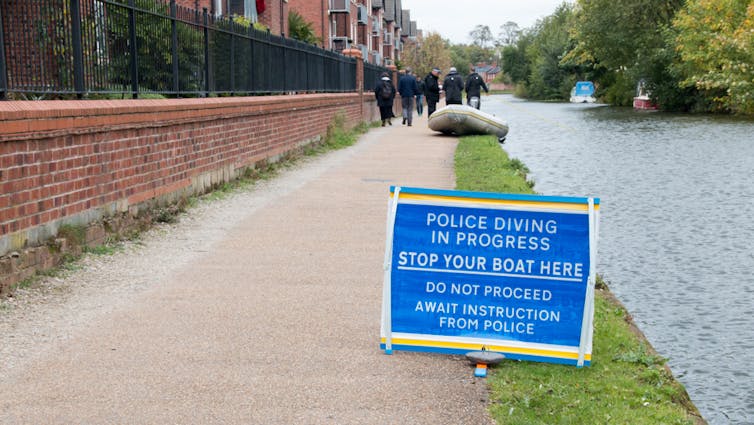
(340, 6)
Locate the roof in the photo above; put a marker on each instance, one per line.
(487, 69)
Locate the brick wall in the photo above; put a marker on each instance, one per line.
(314, 12)
(275, 16)
(74, 162)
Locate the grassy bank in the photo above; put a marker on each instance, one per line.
(627, 383)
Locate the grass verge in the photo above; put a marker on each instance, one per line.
(627, 382)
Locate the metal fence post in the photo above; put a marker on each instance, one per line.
(206, 53)
(134, 51)
(252, 41)
(3, 73)
(78, 54)
(174, 44)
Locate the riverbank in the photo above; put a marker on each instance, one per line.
(104, 314)
(627, 381)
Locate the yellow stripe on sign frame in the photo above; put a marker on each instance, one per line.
(501, 200)
(463, 347)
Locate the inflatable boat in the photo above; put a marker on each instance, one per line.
(463, 120)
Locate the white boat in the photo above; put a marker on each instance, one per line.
(583, 92)
(463, 120)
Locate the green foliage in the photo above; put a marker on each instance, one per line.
(338, 136)
(50, 35)
(515, 64)
(626, 383)
(109, 248)
(459, 58)
(300, 29)
(548, 79)
(155, 58)
(627, 41)
(75, 234)
(714, 39)
(622, 33)
(619, 89)
(434, 51)
(481, 165)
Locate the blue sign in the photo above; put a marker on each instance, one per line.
(507, 273)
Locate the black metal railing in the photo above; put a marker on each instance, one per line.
(372, 73)
(134, 47)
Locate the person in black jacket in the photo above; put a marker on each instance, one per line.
(384, 92)
(432, 90)
(453, 88)
(474, 84)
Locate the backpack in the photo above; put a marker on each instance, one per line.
(387, 90)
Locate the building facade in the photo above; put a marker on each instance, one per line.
(372, 26)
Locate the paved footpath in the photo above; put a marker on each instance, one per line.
(263, 310)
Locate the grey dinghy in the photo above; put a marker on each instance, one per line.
(463, 120)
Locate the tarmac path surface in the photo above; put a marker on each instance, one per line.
(263, 308)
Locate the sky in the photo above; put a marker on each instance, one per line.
(455, 19)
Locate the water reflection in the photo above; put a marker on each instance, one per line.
(676, 227)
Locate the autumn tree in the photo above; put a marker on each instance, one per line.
(715, 39)
(431, 51)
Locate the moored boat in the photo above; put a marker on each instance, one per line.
(583, 92)
(463, 120)
(642, 101)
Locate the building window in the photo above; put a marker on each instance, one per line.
(245, 8)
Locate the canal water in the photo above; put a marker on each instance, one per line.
(676, 228)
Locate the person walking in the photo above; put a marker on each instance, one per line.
(432, 90)
(453, 87)
(407, 89)
(419, 96)
(474, 84)
(384, 92)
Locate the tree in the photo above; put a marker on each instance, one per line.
(459, 57)
(433, 51)
(514, 60)
(620, 33)
(548, 78)
(509, 33)
(300, 29)
(715, 40)
(626, 39)
(481, 36)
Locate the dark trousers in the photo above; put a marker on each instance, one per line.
(431, 106)
(386, 112)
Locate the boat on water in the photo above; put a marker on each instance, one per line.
(463, 120)
(583, 92)
(642, 100)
